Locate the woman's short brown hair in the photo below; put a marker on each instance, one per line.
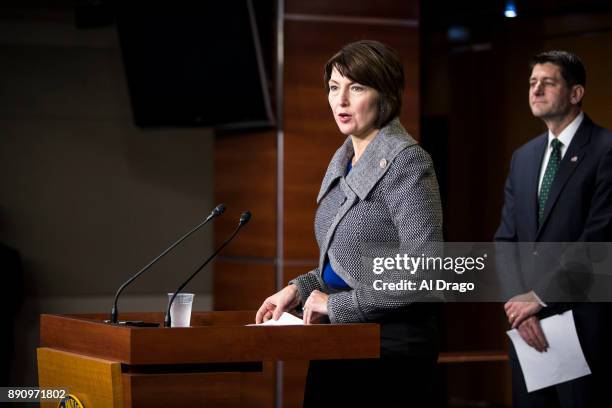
(372, 64)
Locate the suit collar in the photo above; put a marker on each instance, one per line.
(573, 157)
(535, 163)
(372, 164)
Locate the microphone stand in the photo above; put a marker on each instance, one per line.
(244, 218)
(114, 311)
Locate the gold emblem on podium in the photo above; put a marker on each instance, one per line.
(70, 402)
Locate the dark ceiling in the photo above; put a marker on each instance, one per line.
(443, 13)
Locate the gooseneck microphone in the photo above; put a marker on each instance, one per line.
(244, 218)
(215, 213)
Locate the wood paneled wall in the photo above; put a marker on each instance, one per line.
(246, 163)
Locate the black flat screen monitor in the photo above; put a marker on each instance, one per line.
(198, 65)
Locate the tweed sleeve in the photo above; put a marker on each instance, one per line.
(306, 283)
(410, 194)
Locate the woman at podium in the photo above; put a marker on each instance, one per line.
(379, 192)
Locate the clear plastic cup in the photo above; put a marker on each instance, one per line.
(180, 312)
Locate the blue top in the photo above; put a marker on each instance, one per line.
(330, 277)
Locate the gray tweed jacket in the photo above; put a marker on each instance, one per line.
(390, 196)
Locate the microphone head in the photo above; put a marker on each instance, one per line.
(218, 210)
(245, 217)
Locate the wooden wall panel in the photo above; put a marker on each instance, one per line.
(292, 271)
(242, 284)
(311, 135)
(294, 381)
(245, 164)
(245, 179)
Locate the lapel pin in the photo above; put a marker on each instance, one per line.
(574, 159)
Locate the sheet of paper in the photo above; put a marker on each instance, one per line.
(564, 359)
(286, 319)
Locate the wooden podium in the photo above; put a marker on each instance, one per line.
(217, 362)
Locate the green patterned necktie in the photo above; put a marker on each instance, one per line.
(549, 176)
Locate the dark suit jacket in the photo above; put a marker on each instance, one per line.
(579, 209)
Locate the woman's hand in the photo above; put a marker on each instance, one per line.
(282, 301)
(315, 308)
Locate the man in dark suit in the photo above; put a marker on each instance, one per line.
(559, 189)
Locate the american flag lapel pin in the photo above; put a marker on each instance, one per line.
(574, 159)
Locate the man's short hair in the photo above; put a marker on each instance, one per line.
(572, 69)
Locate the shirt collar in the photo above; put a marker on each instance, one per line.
(568, 133)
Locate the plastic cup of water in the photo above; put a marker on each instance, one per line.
(180, 312)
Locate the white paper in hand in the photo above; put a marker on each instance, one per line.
(286, 319)
(564, 359)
